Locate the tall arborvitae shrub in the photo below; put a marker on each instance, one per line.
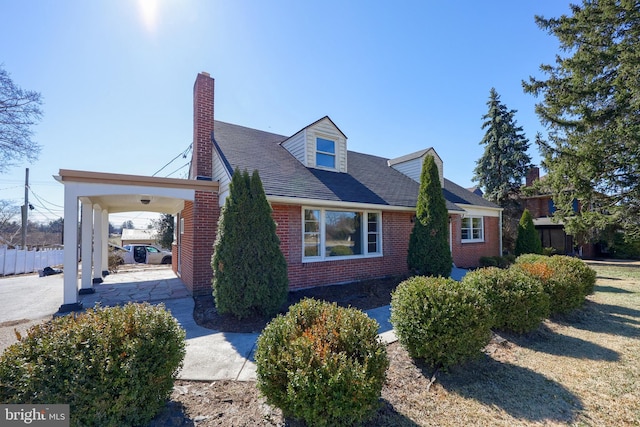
(249, 270)
(528, 241)
(429, 252)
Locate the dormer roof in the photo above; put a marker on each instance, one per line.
(368, 180)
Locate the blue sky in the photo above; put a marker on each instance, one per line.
(117, 77)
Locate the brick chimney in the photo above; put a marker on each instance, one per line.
(201, 160)
(532, 175)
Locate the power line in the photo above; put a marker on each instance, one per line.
(183, 155)
(181, 167)
(43, 200)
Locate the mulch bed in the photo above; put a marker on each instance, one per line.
(363, 295)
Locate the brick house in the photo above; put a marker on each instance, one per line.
(552, 233)
(341, 215)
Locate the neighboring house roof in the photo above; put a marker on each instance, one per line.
(476, 190)
(370, 179)
(138, 234)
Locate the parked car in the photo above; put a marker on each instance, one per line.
(145, 254)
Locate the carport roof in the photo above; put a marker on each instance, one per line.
(122, 193)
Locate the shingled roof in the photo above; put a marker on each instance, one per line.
(369, 180)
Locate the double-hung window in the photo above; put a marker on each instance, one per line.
(325, 153)
(472, 229)
(333, 233)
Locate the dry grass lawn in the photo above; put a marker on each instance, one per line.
(581, 369)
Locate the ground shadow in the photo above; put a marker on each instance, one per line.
(521, 392)
(386, 416)
(611, 289)
(173, 414)
(604, 318)
(545, 340)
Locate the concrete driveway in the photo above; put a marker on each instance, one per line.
(28, 299)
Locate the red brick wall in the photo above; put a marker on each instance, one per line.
(186, 244)
(200, 228)
(396, 228)
(467, 255)
(538, 206)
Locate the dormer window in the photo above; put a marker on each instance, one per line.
(325, 153)
(320, 145)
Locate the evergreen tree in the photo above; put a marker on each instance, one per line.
(249, 270)
(429, 252)
(164, 227)
(528, 241)
(503, 165)
(590, 106)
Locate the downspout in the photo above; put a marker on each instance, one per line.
(451, 240)
(500, 232)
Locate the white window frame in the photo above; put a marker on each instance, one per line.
(327, 153)
(322, 231)
(471, 228)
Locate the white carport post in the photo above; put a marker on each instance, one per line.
(85, 246)
(70, 281)
(104, 265)
(97, 244)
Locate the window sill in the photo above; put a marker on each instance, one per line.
(472, 241)
(339, 258)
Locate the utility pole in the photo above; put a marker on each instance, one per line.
(25, 210)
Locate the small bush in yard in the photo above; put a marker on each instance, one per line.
(114, 366)
(322, 363)
(495, 261)
(518, 301)
(440, 320)
(575, 268)
(566, 280)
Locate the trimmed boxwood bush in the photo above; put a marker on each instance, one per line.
(440, 320)
(575, 268)
(518, 301)
(322, 363)
(114, 366)
(566, 280)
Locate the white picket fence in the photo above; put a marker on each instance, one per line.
(19, 261)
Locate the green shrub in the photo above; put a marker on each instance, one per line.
(113, 366)
(488, 261)
(625, 246)
(566, 280)
(518, 301)
(440, 320)
(429, 253)
(495, 261)
(528, 240)
(322, 363)
(576, 269)
(531, 258)
(249, 269)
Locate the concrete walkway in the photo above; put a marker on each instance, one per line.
(210, 355)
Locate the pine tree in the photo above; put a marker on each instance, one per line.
(590, 104)
(503, 165)
(528, 241)
(249, 270)
(429, 252)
